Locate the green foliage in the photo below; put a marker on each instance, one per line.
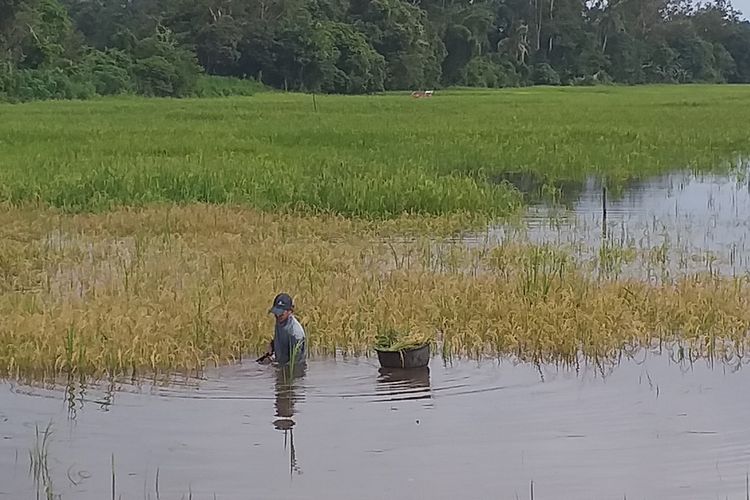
(486, 72)
(599, 78)
(6, 80)
(109, 71)
(159, 47)
(163, 68)
(217, 45)
(156, 76)
(42, 35)
(225, 86)
(459, 51)
(356, 67)
(369, 156)
(544, 74)
(34, 84)
(401, 32)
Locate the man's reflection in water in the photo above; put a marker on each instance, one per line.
(288, 385)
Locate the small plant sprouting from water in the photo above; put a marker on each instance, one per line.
(294, 358)
(612, 257)
(38, 461)
(541, 267)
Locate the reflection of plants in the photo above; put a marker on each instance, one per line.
(293, 464)
(38, 466)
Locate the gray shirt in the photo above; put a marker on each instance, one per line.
(287, 336)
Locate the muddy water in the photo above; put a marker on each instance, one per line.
(676, 224)
(646, 428)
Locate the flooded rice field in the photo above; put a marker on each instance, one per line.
(648, 427)
(658, 228)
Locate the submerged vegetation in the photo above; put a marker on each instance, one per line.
(166, 289)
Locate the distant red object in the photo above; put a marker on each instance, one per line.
(421, 93)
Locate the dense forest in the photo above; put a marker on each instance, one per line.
(81, 48)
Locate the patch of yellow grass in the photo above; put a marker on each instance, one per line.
(174, 288)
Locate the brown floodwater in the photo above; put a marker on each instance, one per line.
(647, 428)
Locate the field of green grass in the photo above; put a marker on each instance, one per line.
(372, 156)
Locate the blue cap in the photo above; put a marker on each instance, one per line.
(281, 303)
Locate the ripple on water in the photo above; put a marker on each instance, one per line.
(480, 430)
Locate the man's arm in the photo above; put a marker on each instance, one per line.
(269, 353)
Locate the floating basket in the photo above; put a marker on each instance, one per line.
(418, 357)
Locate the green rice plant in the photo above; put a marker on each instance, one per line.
(541, 267)
(378, 157)
(294, 359)
(38, 461)
(612, 257)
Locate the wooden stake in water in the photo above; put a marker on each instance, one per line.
(604, 212)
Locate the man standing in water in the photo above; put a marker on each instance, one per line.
(289, 337)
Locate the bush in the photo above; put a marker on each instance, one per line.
(485, 72)
(604, 78)
(155, 76)
(544, 74)
(6, 79)
(164, 69)
(223, 86)
(35, 84)
(109, 71)
(599, 78)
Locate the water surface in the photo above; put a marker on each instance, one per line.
(646, 428)
(676, 224)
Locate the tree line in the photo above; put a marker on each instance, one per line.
(80, 48)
